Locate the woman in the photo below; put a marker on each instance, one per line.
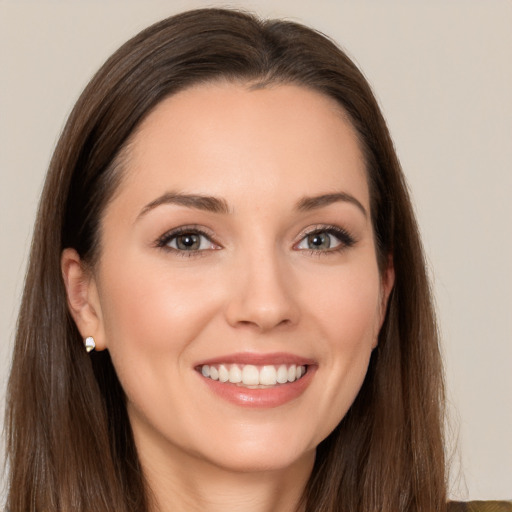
(226, 229)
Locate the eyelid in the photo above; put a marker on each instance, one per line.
(345, 238)
(163, 241)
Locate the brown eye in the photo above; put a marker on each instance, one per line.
(186, 241)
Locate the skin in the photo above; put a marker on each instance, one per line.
(257, 285)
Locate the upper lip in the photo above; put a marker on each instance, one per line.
(259, 359)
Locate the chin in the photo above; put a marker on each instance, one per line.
(264, 461)
(262, 451)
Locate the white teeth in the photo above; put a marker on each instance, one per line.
(235, 374)
(251, 375)
(282, 374)
(268, 376)
(223, 373)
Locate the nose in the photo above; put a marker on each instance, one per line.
(262, 294)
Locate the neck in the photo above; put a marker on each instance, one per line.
(184, 483)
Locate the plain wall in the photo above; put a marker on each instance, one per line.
(442, 71)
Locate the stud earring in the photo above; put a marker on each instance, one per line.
(89, 343)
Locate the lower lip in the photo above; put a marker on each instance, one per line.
(260, 398)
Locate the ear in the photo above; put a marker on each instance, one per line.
(386, 286)
(83, 299)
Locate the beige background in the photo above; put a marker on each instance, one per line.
(442, 71)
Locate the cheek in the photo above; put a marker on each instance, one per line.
(153, 315)
(346, 304)
(346, 314)
(154, 310)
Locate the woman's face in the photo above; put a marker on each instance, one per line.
(239, 246)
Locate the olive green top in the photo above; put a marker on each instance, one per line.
(480, 506)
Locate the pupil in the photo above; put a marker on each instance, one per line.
(319, 241)
(188, 241)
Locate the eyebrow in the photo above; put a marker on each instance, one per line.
(199, 202)
(313, 203)
(218, 205)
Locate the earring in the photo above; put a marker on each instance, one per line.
(89, 343)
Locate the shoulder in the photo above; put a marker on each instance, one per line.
(480, 506)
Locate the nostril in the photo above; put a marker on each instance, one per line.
(264, 324)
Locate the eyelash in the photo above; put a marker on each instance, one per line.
(166, 238)
(346, 240)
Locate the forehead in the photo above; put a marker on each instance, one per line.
(233, 141)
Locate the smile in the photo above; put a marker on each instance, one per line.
(252, 376)
(252, 380)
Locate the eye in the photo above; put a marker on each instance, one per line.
(326, 239)
(186, 240)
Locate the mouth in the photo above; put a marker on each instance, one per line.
(253, 376)
(258, 380)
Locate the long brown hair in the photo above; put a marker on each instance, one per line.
(69, 441)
